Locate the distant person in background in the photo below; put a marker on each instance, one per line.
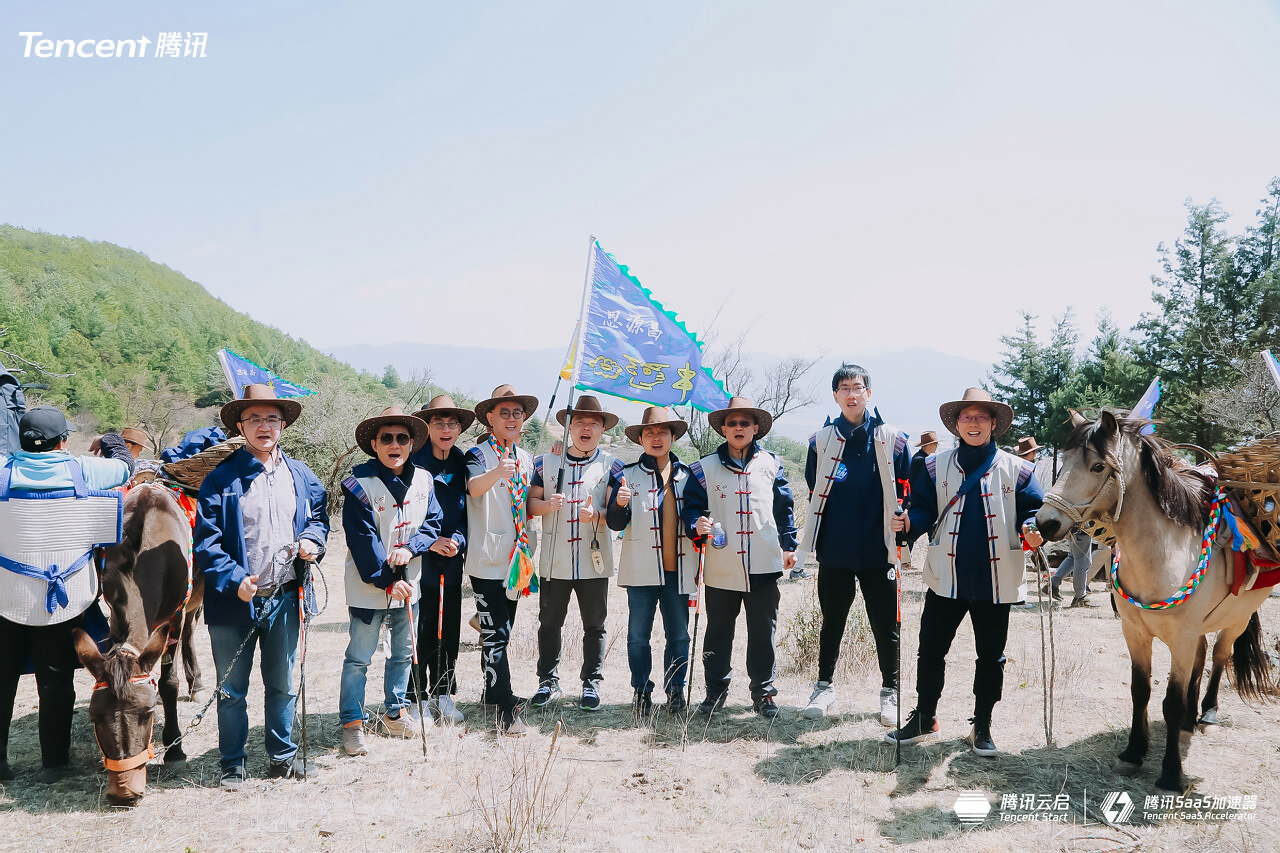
(925, 447)
(1026, 448)
(136, 439)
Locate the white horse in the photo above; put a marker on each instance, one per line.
(1165, 584)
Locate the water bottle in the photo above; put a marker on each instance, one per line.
(718, 537)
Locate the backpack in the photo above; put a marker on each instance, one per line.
(13, 405)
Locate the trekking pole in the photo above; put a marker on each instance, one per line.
(302, 656)
(415, 670)
(440, 673)
(897, 585)
(695, 602)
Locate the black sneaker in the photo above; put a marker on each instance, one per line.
(643, 702)
(766, 707)
(1051, 592)
(712, 704)
(914, 730)
(290, 768)
(981, 738)
(232, 778)
(546, 694)
(677, 703)
(590, 698)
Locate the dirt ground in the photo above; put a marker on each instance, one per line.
(737, 783)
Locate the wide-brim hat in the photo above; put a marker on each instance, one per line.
(1000, 412)
(589, 405)
(1026, 444)
(443, 404)
(367, 431)
(133, 435)
(929, 436)
(504, 394)
(257, 394)
(657, 416)
(745, 406)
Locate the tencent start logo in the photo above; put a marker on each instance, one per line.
(972, 807)
(1117, 807)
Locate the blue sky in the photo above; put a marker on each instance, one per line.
(842, 177)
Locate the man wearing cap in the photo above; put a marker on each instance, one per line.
(43, 465)
(446, 422)
(390, 518)
(857, 471)
(738, 503)
(577, 554)
(658, 567)
(257, 511)
(499, 557)
(975, 502)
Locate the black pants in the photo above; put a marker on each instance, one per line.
(836, 591)
(497, 615)
(54, 655)
(938, 624)
(553, 606)
(442, 680)
(761, 604)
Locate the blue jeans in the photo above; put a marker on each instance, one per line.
(642, 601)
(1078, 561)
(278, 640)
(395, 679)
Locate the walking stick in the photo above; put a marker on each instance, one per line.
(415, 669)
(303, 571)
(695, 602)
(440, 673)
(897, 677)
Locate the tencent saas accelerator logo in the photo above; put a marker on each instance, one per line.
(1117, 807)
(972, 807)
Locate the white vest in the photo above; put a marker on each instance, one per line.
(572, 539)
(998, 491)
(743, 504)
(491, 532)
(641, 560)
(829, 446)
(397, 524)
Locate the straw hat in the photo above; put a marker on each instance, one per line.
(1001, 413)
(443, 404)
(589, 405)
(504, 394)
(655, 415)
(929, 436)
(1026, 444)
(257, 395)
(367, 431)
(741, 404)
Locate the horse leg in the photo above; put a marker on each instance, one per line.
(1209, 708)
(190, 663)
(1140, 689)
(168, 687)
(1182, 654)
(1193, 687)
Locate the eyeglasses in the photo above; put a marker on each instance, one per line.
(975, 419)
(387, 439)
(443, 424)
(510, 414)
(255, 421)
(742, 423)
(854, 389)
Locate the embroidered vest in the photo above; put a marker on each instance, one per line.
(641, 561)
(743, 504)
(829, 446)
(397, 523)
(998, 492)
(491, 534)
(572, 558)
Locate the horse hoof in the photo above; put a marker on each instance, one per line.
(1127, 768)
(1208, 728)
(123, 802)
(1165, 784)
(199, 696)
(1184, 738)
(174, 758)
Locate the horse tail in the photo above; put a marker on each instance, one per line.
(1252, 667)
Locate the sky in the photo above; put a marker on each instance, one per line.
(834, 178)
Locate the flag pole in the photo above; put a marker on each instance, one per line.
(573, 384)
(560, 377)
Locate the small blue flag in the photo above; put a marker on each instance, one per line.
(1146, 407)
(241, 372)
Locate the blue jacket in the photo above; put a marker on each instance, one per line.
(695, 499)
(618, 517)
(450, 476)
(361, 527)
(219, 536)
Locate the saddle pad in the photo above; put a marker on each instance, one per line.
(45, 529)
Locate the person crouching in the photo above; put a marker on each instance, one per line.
(391, 518)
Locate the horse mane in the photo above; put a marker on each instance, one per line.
(1182, 492)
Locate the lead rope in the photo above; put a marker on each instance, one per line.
(1048, 652)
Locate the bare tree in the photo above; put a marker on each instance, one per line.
(156, 407)
(1248, 408)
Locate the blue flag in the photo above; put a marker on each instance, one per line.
(241, 372)
(634, 348)
(1146, 407)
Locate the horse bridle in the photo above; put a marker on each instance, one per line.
(1084, 515)
(137, 760)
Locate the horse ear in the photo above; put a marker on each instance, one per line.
(155, 647)
(1108, 422)
(87, 651)
(1077, 420)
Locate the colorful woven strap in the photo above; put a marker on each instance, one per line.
(1206, 550)
(521, 576)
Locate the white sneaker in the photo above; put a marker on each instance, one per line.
(445, 710)
(889, 707)
(415, 712)
(823, 696)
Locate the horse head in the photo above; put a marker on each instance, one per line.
(122, 709)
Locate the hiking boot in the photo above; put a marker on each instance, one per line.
(914, 730)
(1051, 592)
(821, 699)
(232, 778)
(512, 726)
(290, 768)
(712, 704)
(980, 736)
(353, 739)
(547, 693)
(643, 702)
(799, 574)
(445, 709)
(590, 698)
(398, 726)
(677, 703)
(888, 707)
(765, 707)
(1081, 601)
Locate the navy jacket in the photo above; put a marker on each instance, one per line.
(451, 493)
(695, 499)
(359, 525)
(219, 535)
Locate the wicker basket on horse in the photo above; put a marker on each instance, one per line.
(190, 472)
(1252, 474)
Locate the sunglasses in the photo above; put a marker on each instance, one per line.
(742, 424)
(389, 438)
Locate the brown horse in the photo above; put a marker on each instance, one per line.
(1157, 507)
(145, 581)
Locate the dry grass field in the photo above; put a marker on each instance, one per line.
(610, 782)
